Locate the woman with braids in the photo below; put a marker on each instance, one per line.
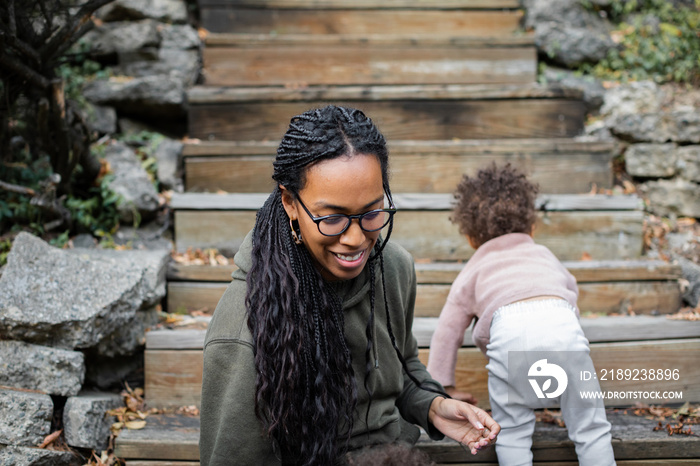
(310, 354)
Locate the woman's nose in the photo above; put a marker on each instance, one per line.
(354, 236)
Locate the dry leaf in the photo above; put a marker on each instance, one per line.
(135, 425)
(49, 439)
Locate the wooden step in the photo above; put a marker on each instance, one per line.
(173, 376)
(603, 227)
(604, 286)
(559, 166)
(407, 112)
(172, 440)
(464, 22)
(304, 59)
(365, 4)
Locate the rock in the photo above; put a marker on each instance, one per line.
(688, 163)
(131, 338)
(168, 156)
(651, 160)
(12, 455)
(150, 236)
(569, 12)
(120, 37)
(129, 127)
(593, 90)
(32, 367)
(49, 296)
(152, 264)
(148, 96)
(572, 46)
(184, 64)
(179, 37)
(102, 120)
(673, 197)
(174, 11)
(632, 98)
(691, 272)
(85, 424)
(26, 417)
(132, 183)
(681, 127)
(84, 241)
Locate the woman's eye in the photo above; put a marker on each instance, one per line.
(371, 215)
(334, 220)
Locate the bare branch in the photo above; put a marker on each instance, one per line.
(14, 188)
(81, 32)
(21, 46)
(24, 71)
(68, 32)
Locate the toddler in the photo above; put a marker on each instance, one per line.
(523, 300)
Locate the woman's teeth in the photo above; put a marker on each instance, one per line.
(350, 258)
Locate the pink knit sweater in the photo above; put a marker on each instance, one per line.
(502, 271)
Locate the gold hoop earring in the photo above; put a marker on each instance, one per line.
(295, 234)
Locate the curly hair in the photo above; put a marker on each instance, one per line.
(495, 202)
(305, 382)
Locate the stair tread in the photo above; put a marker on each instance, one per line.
(367, 4)
(176, 437)
(216, 40)
(411, 201)
(597, 330)
(226, 94)
(201, 148)
(445, 272)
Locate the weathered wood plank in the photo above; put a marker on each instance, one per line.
(366, 4)
(228, 95)
(173, 381)
(173, 377)
(397, 148)
(240, 41)
(662, 297)
(634, 439)
(473, 119)
(615, 297)
(431, 235)
(317, 21)
(414, 173)
(446, 272)
(584, 271)
(409, 201)
(597, 330)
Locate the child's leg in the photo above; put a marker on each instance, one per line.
(517, 425)
(589, 429)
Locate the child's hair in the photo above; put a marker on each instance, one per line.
(493, 203)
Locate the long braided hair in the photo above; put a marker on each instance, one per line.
(305, 383)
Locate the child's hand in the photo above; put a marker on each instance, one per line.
(461, 396)
(467, 424)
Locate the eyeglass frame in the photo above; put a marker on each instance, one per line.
(317, 220)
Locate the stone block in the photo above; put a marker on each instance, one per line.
(11, 455)
(673, 197)
(85, 423)
(651, 160)
(50, 370)
(26, 417)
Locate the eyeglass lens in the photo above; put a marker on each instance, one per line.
(369, 221)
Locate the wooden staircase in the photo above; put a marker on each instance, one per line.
(451, 84)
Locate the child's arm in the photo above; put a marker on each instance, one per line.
(447, 339)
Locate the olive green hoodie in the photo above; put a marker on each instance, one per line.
(230, 431)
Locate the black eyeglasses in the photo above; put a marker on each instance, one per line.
(336, 224)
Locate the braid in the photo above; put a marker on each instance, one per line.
(305, 382)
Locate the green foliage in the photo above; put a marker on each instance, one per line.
(147, 142)
(76, 75)
(5, 246)
(657, 41)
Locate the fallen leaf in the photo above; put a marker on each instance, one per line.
(135, 425)
(49, 439)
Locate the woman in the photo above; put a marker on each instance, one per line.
(310, 352)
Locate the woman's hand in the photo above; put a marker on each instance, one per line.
(467, 424)
(461, 396)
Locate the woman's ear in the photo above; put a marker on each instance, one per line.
(288, 203)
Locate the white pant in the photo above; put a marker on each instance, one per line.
(545, 325)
